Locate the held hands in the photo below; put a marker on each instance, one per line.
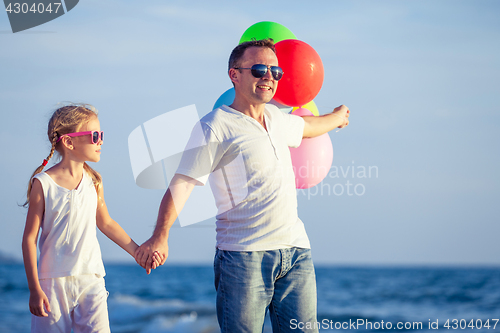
(157, 260)
(152, 254)
(39, 303)
(342, 112)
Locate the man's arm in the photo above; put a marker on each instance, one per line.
(316, 126)
(171, 205)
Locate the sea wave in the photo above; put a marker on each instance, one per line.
(130, 313)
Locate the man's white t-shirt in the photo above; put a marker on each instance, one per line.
(251, 175)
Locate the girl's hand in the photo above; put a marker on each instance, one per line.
(39, 303)
(145, 253)
(157, 260)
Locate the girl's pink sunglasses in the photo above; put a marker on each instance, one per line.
(95, 135)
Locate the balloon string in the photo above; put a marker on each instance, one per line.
(343, 118)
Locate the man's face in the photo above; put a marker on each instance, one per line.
(256, 90)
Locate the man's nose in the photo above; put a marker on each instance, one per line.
(268, 75)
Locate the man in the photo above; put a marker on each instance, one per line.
(263, 258)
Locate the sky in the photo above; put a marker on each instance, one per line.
(420, 79)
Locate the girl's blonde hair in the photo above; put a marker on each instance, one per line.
(67, 119)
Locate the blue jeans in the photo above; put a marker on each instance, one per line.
(250, 283)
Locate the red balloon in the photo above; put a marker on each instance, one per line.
(303, 72)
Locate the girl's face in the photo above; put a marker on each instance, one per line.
(84, 149)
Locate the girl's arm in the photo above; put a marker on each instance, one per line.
(111, 228)
(38, 299)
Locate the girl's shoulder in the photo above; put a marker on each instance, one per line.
(43, 179)
(50, 173)
(46, 180)
(42, 176)
(87, 178)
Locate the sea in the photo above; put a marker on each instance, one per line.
(181, 298)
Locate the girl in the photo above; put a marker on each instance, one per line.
(67, 289)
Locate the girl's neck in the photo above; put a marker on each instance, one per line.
(68, 168)
(67, 174)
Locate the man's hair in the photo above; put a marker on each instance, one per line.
(238, 51)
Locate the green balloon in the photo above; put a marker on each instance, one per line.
(266, 29)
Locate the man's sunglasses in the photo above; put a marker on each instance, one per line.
(95, 135)
(260, 70)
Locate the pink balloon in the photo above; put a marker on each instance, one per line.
(302, 112)
(313, 159)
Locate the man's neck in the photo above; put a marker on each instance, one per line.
(254, 111)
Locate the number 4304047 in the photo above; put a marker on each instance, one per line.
(24, 8)
(477, 324)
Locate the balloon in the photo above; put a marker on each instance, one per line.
(303, 73)
(313, 159)
(227, 98)
(266, 29)
(311, 106)
(302, 112)
(284, 108)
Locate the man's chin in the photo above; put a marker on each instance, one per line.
(267, 98)
(263, 98)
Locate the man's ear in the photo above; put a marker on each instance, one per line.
(233, 74)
